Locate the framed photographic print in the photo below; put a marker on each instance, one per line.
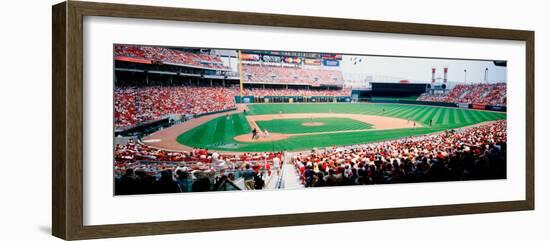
(211, 120)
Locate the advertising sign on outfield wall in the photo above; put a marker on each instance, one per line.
(496, 108)
(463, 105)
(478, 106)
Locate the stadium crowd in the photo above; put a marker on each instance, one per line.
(291, 75)
(167, 55)
(485, 94)
(471, 153)
(140, 169)
(295, 92)
(134, 105)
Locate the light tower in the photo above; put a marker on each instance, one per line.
(465, 73)
(444, 86)
(433, 80)
(486, 77)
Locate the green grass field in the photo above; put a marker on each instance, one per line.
(218, 133)
(294, 126)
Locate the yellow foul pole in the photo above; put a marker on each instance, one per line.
(240, 76)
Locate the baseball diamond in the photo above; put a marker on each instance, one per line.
(219, 133)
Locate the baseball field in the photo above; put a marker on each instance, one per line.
(295, 127)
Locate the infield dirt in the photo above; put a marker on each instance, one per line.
(377, 122)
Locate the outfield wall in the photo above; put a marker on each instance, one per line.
(347, 99)
(293, 99)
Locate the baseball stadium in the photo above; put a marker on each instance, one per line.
(200, 119)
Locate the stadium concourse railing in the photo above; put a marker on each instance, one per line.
(149, 127)
(443, 104)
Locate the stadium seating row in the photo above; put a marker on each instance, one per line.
(485, 94)
(132, 152)
(471, 153)
(295, 92)
(169, 56)
(291, 75)
(135, 105)
(140, 169)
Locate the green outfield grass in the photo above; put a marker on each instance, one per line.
(294, 126)
(218, 133)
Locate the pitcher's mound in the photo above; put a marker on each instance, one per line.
(271, 137)
(313, 124)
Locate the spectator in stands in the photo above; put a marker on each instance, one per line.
(258, 181)
(248, 176)
(184, 180)
(166, 184)
(309, 175)
(126, 184)
(144, 182)
(202, 182)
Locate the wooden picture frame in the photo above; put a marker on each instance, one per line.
(67, 124)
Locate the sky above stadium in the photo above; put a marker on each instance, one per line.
(419, 69)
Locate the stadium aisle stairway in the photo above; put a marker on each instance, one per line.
(271, 181)
(291, 178)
